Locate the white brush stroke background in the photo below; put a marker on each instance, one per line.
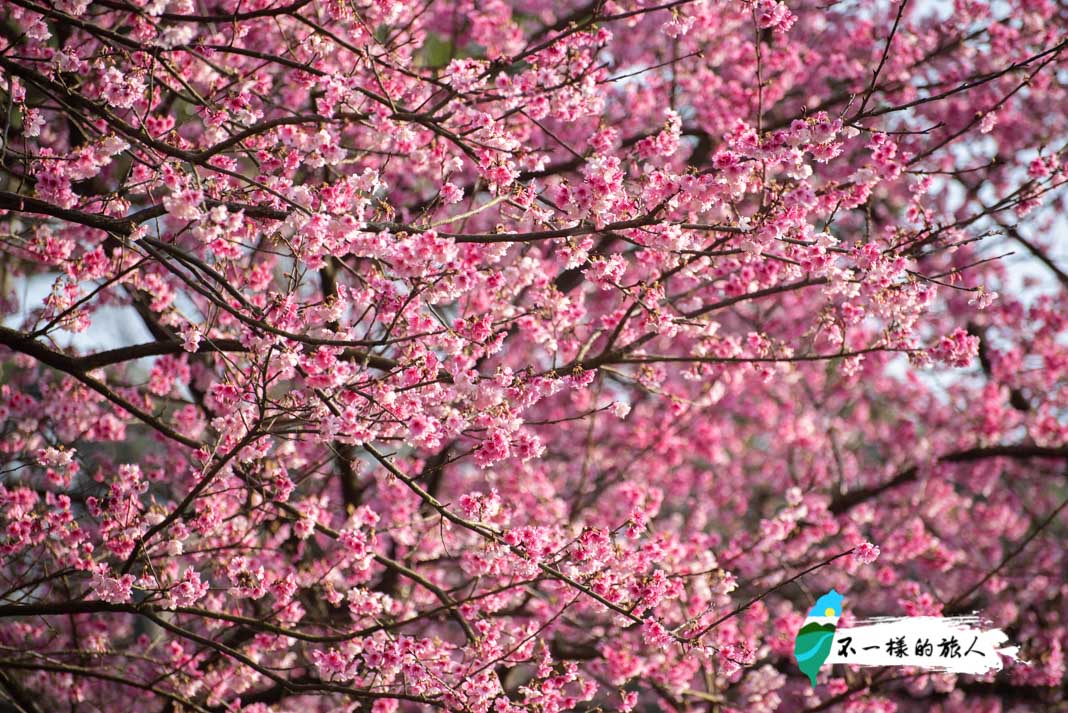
(990, 643)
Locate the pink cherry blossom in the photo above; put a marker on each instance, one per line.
(526, 357)
(866, 553)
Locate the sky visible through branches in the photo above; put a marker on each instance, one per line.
(506, 356)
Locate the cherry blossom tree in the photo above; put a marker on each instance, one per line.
(527, 356)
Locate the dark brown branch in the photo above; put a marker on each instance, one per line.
(853, 498)
(22, 343)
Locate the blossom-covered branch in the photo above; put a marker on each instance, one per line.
(525, 356)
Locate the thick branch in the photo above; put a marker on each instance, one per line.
(853, 498)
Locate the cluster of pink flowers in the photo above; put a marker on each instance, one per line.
(526, 357)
